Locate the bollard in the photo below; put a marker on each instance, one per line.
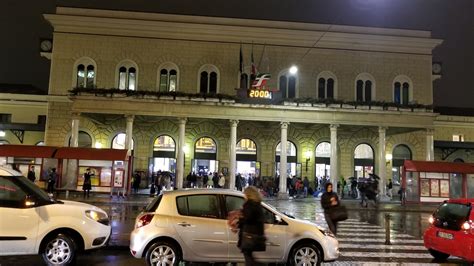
(387, 229)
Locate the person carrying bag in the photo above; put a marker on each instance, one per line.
(251, 233)
(334, 212)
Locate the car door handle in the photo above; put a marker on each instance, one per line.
(184, 224)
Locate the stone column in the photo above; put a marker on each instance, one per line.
(232, 151)
(180, 158)
(429, 145)
(382, 169)
(128, 146)
(283, 161)
(75, 130)
(334, 158)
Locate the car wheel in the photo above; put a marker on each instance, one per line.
(163, 253)
(305, 254)
(59, 250)
(438, 255)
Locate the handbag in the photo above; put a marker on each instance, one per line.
(338, 213)
(253, 242)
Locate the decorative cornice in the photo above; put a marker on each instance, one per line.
(231, 30)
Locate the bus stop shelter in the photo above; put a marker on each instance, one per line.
(431, 181)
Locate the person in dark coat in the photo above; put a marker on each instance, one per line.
(31, 174)
(52, 181)
(329, 200)
(87, 185)
(251, 221)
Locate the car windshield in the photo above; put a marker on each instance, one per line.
(452, 215)
(38, 192)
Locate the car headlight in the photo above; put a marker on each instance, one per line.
(326, 232)
(99, 217)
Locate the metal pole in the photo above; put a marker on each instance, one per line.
(387, 229)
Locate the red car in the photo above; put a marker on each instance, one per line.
(451, 230)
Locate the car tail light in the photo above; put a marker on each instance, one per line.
(466, 226)
(144, 220)
(431, 219)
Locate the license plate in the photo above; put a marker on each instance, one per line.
(445, 235)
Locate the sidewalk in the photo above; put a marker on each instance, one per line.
(353, 204)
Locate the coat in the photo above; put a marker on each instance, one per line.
(326, 201)
(252, 220)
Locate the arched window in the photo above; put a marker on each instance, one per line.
(363, 160)
(323, 160)
(365, 88)
(118, 142)
(287, 85)
(208, 79)
(84, 140)
(290, 149)
(205, 145)
(402, 90)
(127, 75)
(168, 77)
(85, 69)
(326, 85)
(246, 150)
(164, 154)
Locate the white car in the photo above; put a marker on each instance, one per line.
(191, 225)
(33, 223)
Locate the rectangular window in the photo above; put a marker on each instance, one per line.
(458, 137)
(163, 82)
(41, 120)
(5, 118)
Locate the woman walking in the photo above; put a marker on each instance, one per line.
(251, 224)
(329, 200)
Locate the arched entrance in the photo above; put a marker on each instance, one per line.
(363, 160)
(323, 160)
(246, 157)
(164, 154)
(84, 140)
(399, 155)
(293, 167)
(118, 142)
(205, 156)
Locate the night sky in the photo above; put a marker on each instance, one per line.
(451, 20)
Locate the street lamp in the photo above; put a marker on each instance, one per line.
(307, 155)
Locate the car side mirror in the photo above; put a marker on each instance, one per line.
(29, 201)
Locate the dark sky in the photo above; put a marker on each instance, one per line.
(451, 20)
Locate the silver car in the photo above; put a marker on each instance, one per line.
(191, 225)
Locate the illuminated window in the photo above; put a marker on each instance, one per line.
(323, 150)
(164, 143)
(290, 149)
(246, 146)
(205, 145)
(458, 137)
(364, 151)
(85, 69)
(119, 141)
(168, 77)
(127, 75)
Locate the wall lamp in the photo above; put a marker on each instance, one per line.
(307, 155)
(388, 158)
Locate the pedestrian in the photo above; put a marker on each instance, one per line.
(137, 179)
(305, 186)
(31, 174)
(52, 181)
(251, 225)
(389, 189)
(221, 181)
(87, 185)
(329, 201)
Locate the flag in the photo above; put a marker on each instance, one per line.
(253, 70)
(241, 61)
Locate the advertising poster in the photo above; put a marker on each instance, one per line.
(118, 178)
